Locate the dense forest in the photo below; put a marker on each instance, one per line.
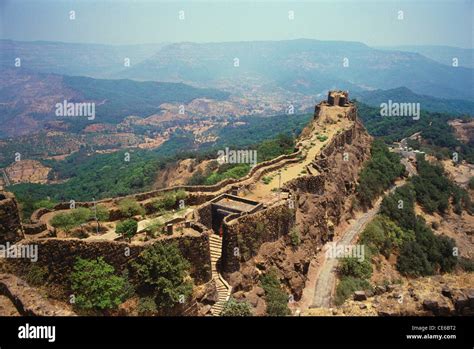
(378, 173)
(437, 134)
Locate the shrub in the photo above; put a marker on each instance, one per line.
(354, 267)
(413, 260)
(295, 237)
(322, 138)
(466, 264)
(162, 269)
(383, 236)
(102, 213)
(95, 285)
(234, 308)
(180, 195)
(471, 183)
(69, 220)
(36, 275)
(266, 179)
(154, 228)
(127, 228)
(276, 297)
(147, 306)
(347, 286)
(129, 208)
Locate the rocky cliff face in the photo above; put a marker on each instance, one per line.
(322, 202)
(10, 224)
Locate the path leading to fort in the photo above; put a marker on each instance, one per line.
(326, 280)
(312, 146)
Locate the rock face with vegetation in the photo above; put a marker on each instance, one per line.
(321, 202)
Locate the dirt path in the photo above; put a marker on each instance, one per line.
(312, 146)
(325, 279)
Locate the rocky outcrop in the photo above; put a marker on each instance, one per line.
(321, 203)
(27, 300)
(440, 295)
(10, 224)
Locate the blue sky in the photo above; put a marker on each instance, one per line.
(435, 22)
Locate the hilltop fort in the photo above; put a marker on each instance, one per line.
(275, 218)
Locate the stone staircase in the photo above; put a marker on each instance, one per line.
(223, 288)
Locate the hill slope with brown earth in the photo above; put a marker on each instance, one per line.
(27, 171)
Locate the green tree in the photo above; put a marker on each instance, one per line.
(234, 308)
(347, 286)
(276, 298)
(351, 266)
(129, 208)
(163, 270)
(127, 228)
(95, 285)
(413, 260)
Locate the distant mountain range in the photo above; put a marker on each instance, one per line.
(441, 54)
(94, 60)
(294, 66)
(427, 103)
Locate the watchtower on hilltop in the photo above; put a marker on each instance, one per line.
(340, 98)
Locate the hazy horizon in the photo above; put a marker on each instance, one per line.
(376, 24)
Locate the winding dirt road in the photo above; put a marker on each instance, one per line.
(326, 282)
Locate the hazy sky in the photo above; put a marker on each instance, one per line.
(435, 22)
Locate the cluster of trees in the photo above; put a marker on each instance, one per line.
(163, 273)
(438, 135)
(129, 207)
(378, 174)
(127, 228)
(275, 296)
(354, 275)
(434, 190)
(168, 200)
(69, 220)
(98, 176)
(421, 252)
(162, 281)
(96, 286)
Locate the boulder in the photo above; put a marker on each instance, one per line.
(360, 296)
(460, 303)
(431, 305)
(470, 297)
(446, 291)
